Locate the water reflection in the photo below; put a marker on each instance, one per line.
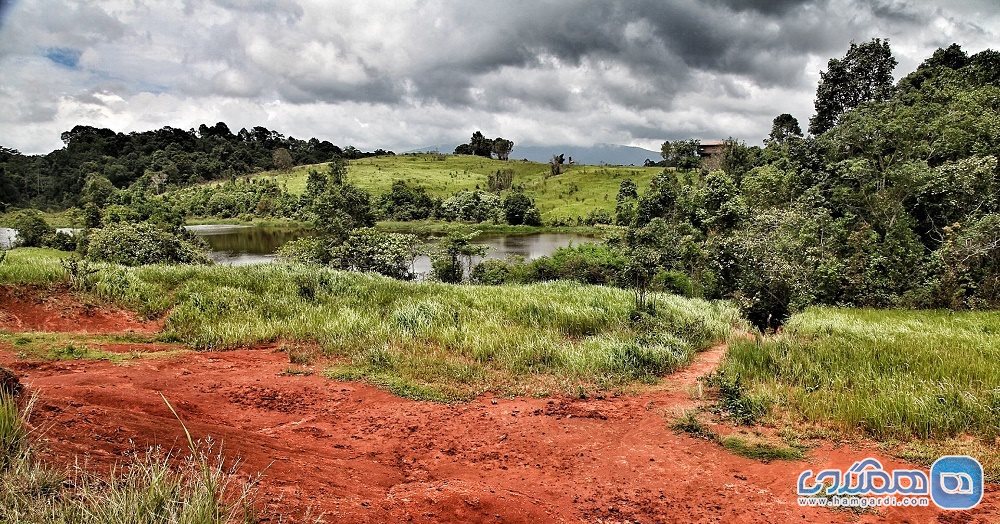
(238, 245)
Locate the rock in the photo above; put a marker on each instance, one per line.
(9, 384)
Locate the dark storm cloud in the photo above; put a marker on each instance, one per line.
(404, 73)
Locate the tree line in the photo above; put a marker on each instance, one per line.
(166, 157)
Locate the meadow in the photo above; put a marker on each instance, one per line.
(419, 339)
(574, 193)
(894, 375)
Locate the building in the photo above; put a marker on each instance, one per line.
(710, 152)
(710, 148)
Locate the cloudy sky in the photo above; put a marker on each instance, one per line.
(404, 74)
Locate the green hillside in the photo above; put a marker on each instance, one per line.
(575, 192)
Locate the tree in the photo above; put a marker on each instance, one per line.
(517, 208)
(32, 230)
(500, 180)
(555, 165)
(863, 75)
(667, 150)
(502, 148)
(783, 127)
(368, 249)
(463, 149)
(97, 191)
(449, 262)
(282, 159)
(481, 146)
(625, 202)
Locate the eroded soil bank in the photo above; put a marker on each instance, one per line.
(352, 453)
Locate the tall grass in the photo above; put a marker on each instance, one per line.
(151, 487)
(455, 341)
(889, 374)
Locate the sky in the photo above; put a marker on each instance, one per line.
(402, 74)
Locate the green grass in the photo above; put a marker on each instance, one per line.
(53, 218)
(32, 265)
(574, 193)
(761, 450)
(888, 374)
(78, 346)
(427, 340)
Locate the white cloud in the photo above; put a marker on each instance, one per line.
(407, 74)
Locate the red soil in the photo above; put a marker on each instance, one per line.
(28, 308)
(354, 453)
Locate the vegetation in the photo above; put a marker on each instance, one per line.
(142, 243)
(431, 340)
(895, 204)
(560, 200)
(153, 160)
(888, 374)
(151, 487)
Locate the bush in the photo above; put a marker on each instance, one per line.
(585, 263)
(62, 241)
(471, 206)
(32, 230)
(599, 217)
(389, 254)
(520, 209)
(139, 244)
(403, 202)
(307, 250)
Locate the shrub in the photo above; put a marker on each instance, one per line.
(585, 263)
(139, 244)
(735, 401)
(599, 217)
(32, 230)
(367, 249)
(62, 241)
(306, 250)
(404, 202)
(472, 206)
(517, 209)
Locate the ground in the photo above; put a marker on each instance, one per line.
(348, 452)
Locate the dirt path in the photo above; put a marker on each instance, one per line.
(353, 453)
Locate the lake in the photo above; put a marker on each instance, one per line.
(242, 245)
(237, 245)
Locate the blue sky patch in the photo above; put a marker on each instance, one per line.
(64, 56)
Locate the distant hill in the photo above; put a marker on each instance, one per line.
(612, 154)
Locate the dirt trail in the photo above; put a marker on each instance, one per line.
(354, 453)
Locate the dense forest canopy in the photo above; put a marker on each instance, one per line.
(155, 159)
(896, 204)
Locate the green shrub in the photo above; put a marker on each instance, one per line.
(32, 230)
(368, 249)
(306, 250)
(736, 402)
(140, 244)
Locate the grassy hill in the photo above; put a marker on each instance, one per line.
(577, 191)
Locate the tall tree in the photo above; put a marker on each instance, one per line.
(863, 75)
(502, 148)
(481, 146)
(783, 127)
